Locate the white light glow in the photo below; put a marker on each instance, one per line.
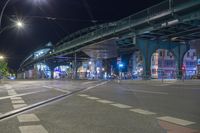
(39, 2)
(1, 57)
(19, 24)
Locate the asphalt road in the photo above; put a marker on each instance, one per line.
(100, 107)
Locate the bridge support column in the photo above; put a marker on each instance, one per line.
(179, 51)
(198, 62)
(75, 66)
(52, 73)
(147, 48)
(195, 45)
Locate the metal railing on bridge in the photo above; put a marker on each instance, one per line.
(153, 13)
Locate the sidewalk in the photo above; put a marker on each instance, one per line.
(156, 81)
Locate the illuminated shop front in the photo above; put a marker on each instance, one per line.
(61, 72)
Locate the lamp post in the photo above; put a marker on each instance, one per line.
(7, 2)
(18, 23)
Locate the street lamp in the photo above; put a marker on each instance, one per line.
(17, 24)
(6, 3)
(1, 57)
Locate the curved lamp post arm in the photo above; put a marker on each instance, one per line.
(2, 11)
(5, 28)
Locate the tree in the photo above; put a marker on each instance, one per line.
(3, 69)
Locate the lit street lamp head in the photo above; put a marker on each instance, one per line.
(19, 24)
(1, 57)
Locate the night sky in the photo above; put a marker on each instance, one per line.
(71, 15)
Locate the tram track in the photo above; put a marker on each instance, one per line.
(40, 104)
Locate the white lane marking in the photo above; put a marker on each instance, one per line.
(91, 87)
(105, 101)
(17, 101)
(92, 98)
(16, 98)
(58, 89)
(24, 94)
(17, 106)
(123, 106)
(33, 129)
(141, 111)
(162, 85)
(49, 87)
(61, 90)
(12, 94)
(85, 83)
(11, 91)
(150, 92)
(83, 95)
(176, 120)
(8, 86)
(28, 118)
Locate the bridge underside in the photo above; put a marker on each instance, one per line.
(102, 50)
(181, 32)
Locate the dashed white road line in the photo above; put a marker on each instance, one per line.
(61, 90)
(16, 98)
(8, 86)
(123, 106)
(28, 118)
(105, 101)
(141, 111)
(176, 120)
(83, 95)
(18, 101)
(91, 87)
(18, 95)
(11, 92)
(89, 82)
(49, 87)
(17, 106)
(58, 89)
(92, 98)
(150, 92)
(33, 129)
